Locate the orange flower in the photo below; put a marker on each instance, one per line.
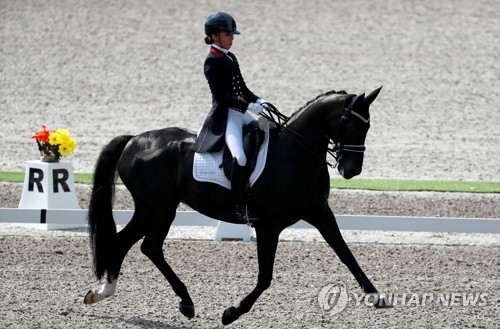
(42, 136)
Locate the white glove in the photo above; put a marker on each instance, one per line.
(260, 101)
(255, 108)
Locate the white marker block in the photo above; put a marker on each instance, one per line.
(49, 185)
(233, 232)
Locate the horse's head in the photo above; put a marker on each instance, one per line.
(348, 133)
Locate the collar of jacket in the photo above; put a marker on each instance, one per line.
(216, 52)
(222, 50)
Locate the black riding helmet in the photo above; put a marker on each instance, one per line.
(220, 22)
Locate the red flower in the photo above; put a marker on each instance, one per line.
(42, 136)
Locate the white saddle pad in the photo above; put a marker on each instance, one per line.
(206, 165)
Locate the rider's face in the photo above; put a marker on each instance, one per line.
(224, 39)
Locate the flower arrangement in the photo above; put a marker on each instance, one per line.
(54, 145)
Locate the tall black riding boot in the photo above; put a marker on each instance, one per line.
(239, 181)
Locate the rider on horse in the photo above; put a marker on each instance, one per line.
(231, 101)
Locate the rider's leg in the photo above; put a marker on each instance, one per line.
(234, 134)
(239, 180)
(240, 174)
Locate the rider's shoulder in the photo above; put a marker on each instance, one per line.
(215, 53)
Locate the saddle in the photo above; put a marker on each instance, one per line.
(216, 167)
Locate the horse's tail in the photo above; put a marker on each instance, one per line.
(102, 227)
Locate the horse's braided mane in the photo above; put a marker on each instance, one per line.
(328, 93)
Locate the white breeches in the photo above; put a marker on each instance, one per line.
(234, 134)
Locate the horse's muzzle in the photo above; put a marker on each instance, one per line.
(349, 172)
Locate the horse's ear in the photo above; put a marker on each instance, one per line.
(358, 100)
(370, 98)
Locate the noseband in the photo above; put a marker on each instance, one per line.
(338, 148)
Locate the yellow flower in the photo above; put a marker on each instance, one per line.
(67, 147)
(64, 150)
(62, 138)
(53, 138)
(72, 144)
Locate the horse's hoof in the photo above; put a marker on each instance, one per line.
(186, 310)
(380, 300)
(89, 298)
(383, 303)
(229, 316)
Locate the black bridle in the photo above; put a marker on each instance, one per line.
(337, 149)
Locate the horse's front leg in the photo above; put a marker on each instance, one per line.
(327, 226)
(267, 242)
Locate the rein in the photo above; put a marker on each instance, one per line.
(281, 122)
(336, 150)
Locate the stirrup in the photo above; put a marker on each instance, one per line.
(244, 217)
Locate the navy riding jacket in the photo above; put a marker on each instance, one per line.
(228, 91)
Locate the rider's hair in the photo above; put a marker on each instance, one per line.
(209, 40)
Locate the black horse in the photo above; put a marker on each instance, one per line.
(156, 167)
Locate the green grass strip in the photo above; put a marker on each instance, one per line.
(415, 185)
(11, 176)
(340, 183)
(18, 177)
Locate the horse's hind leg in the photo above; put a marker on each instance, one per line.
(327, 226)
(125, 239)
(152, 247)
